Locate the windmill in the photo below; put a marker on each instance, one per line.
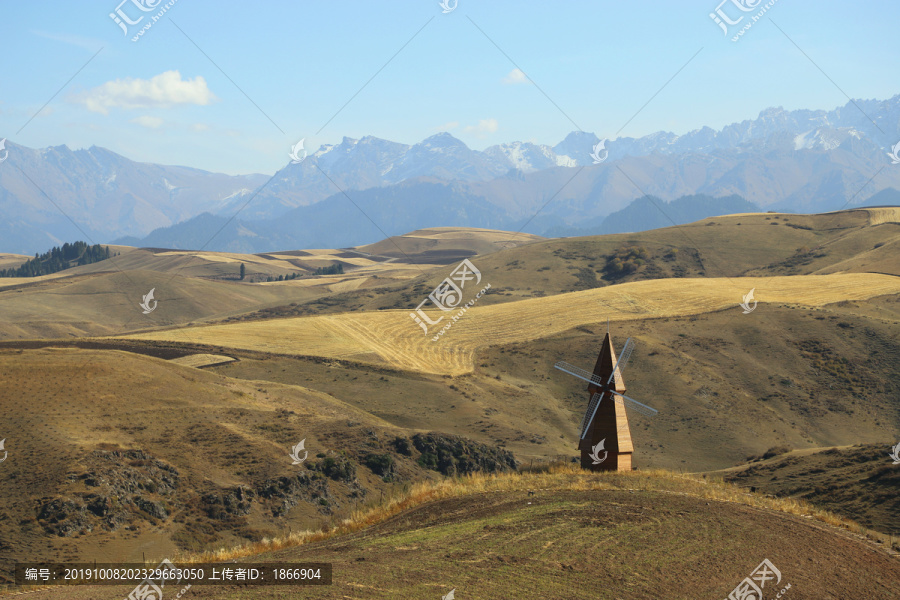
(604, 427)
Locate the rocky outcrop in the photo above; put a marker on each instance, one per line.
(130, 485)
(455, 455)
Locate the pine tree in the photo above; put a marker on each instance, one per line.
(59, 259)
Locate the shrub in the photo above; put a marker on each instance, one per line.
(339, 469)
(402, 444)
(775, 451)
(380, 464)
(428, 461)
(624, 261)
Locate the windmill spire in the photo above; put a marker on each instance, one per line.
(603, 368)
(609, 426)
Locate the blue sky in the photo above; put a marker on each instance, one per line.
(163, 99)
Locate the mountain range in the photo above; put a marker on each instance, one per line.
(801, 160)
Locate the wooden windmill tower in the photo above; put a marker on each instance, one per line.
(605, 441)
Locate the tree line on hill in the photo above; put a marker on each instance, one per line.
(59, 259)
(336, 269)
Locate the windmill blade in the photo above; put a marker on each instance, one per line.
(620, 365)
(579, 373)
(641, 408)
(590, 412)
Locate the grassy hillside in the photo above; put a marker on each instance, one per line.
(452, 243)
(103, 298)
(760, 244)
(579, 536)
(727, 246)
(726, 387)
(79, 305)
(12, 260)
(118, 454)
(122, 452)
(81, 301)
(858, 482)
(392, 338)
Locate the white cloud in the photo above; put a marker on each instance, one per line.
(162, 91)
(199, 127)
(484, 127)
(515, 76)
(151, 122)
(90, 44)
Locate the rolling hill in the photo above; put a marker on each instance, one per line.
(132, 454)
(169, 432)
(393, 339)
(797, 373)
(727, 246)
(103, 298)
(853, 481)
(579, 536)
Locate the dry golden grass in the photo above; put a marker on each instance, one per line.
(878, 216)
(274, 262)
(558, 477)
(481, 241)
(397, 340)
(201, 360)
(6, 282)
(12, 260)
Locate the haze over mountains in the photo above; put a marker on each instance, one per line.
(802, 160)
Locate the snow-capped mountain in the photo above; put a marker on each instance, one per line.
(825, 138)
(366, 163)
(372, 162)
(795, 160)
(577, 146)
(527, 157)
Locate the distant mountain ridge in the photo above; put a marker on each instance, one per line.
(105, 194)
(375, 214)
(329, 224)
(648, 213)
(803, 160)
